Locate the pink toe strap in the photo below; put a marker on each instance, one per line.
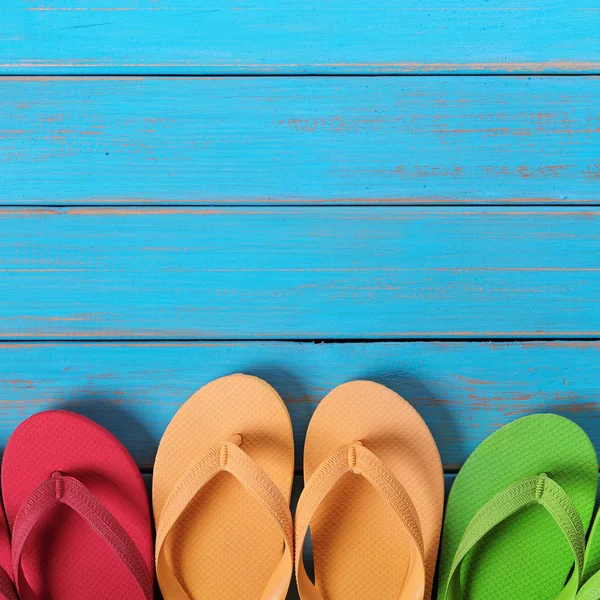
(62, 489)
(7, 590)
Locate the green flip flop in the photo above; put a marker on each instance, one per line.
(590, 589)
(523, 502)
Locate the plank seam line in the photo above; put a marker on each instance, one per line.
(405, 340)
(215, 75)
(316, 204)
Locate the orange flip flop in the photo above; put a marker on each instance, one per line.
(221, 490)
(373, 498)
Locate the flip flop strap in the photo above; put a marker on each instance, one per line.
(67, 490)
(590, 589)
(540, 490)
(356, 458)
(230, 458)
(7, 590)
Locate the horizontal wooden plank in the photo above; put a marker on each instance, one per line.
(296, 140)
(303, 273)
(464, 391)
(281, 36)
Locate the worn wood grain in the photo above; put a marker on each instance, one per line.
(299, 273)
(281, 36)
(464, 391)
(296, 140)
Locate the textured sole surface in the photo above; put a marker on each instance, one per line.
(64, 559)
(527, 555)
(225, 546)
(361, 551)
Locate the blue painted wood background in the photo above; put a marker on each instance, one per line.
(273, 36)
(310, 192)
(308, 140)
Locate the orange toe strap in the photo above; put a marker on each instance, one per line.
(230, 458)
(357, 459)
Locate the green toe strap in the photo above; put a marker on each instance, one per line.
(533, 490)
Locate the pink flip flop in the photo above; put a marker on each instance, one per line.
(7, 590)
(78, 511)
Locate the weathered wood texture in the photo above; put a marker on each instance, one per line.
(132, 137)
(284, 36)
(299, 273)
(464, 391)
(294, 140)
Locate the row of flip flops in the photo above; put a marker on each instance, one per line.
(517, 523)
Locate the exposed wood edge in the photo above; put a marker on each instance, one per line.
(188, 68)
(100, 202)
